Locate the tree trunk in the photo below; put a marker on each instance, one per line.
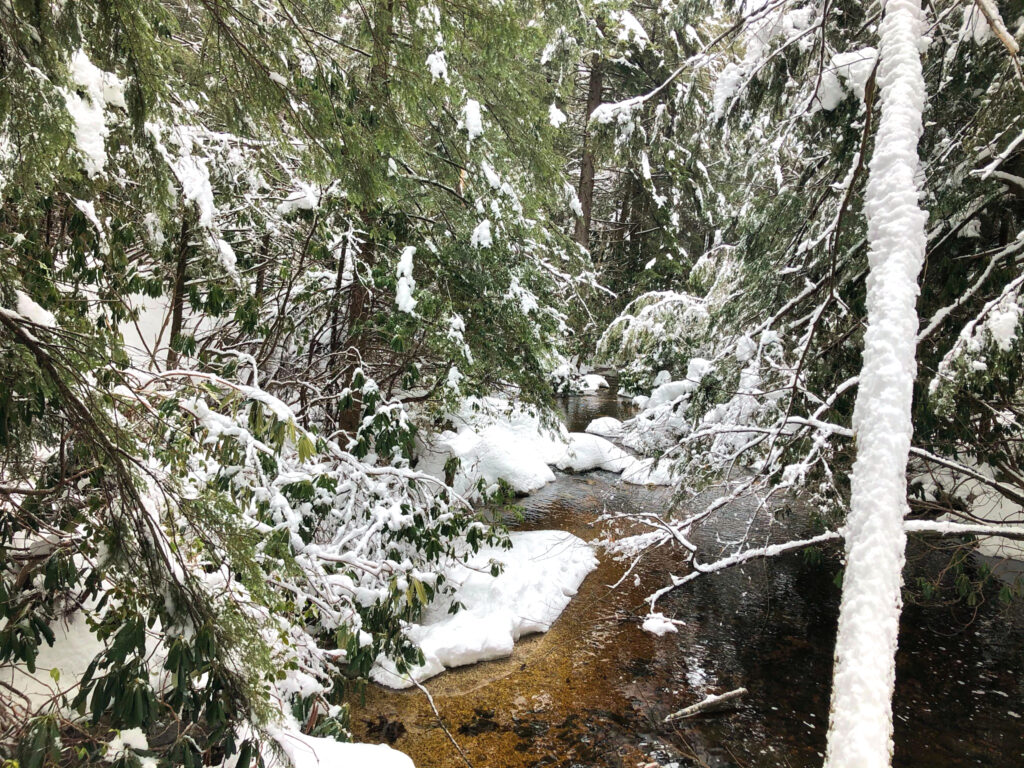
(860, 725)
(359, 293)
(178, 294)
(586, 188)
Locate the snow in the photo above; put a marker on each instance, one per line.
(493, 179)
(593, 382)
(73, 649)
(471, 119)
(304, 198)
(302, 751)
(438, 66)
(605, 426)
(630, 29)
(481, 237)
(556, 116)
(986, 504)
(192, 172)
(974, 26)
(850, 70)
(1002, 324)
(658, 624)
(406, 283)
(226, 255)
(726, 87)
(28, 309)
(648, 472)
(90, 130)
(88, 209)
(586, 452)
(87, 109)
(855, 68)
(129, 740)
(494, 441)
(671, 391)
(860, 728)
(542, 572)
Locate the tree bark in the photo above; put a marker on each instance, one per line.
(586, 188)
(178, 293)
(359, 294)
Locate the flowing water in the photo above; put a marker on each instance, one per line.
(595, 689)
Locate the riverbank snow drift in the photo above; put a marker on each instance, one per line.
(542, 571)
(495, 440)
(302, 751)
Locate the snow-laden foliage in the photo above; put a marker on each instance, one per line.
(788, 90)
(241, 266)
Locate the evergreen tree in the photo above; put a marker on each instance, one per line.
(249, 249)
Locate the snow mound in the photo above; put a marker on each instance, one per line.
(593, 382)
(586, 452)
(605, 426)
(494, 440)
(543, 571)
(304, 751)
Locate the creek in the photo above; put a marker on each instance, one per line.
(595, 689)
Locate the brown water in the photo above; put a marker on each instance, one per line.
(594, 690)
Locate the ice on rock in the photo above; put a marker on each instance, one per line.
(494, 440)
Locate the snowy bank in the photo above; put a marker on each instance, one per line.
(542, 572)
(586, 452)
(304, 751)
(495, 440)
(605, 426)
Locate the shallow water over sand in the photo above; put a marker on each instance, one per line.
(594, 690)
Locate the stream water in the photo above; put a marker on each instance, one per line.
(595, 689)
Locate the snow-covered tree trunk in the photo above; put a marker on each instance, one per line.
(860, 729)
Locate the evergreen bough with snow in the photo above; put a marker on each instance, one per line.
(240, 268)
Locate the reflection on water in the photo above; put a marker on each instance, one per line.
(579, 410)
(595, 689)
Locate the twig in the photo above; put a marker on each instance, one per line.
(710, 703)
(440, 721)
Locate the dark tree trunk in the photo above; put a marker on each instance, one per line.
(586, 189)
(178, 294)
(359, 294)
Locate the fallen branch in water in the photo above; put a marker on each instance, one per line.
(440, 721)
(713, 702)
